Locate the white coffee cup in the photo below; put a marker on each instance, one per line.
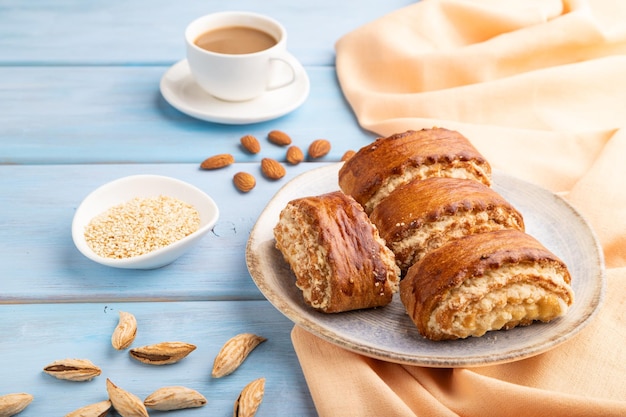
(239, 76)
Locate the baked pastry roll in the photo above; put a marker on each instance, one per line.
(376, 169)
(339, 260)
(425, 214)
(482, 282)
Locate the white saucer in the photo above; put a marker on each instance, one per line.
(182, 92)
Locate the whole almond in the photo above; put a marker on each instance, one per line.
(347, 155)
(234, 352)
(125, 403)
(272, 169)
(294, 155)
(217, 161)
(164, 353)
(250, 399)
(73, 369)
(244, 181)
(250, 144)
(279, 138)
(319, 148)
(125, 331)
(99, 409)
(174, 398)
(12, 404)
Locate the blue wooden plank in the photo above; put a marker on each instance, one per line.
(41, 264)
(61, 115)
(35, 335)
(62, 32)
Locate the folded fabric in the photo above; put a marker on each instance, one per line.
(538, 86)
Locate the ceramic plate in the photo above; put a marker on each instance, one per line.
(182, 92)
(387, 333)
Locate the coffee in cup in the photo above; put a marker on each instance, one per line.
(235, 56)
(235, 40)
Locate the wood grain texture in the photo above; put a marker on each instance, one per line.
(138, 32)
(41, 264)
(80, 106)
(36, 335)
(117, 115)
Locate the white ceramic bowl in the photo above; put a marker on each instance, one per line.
(143, 186)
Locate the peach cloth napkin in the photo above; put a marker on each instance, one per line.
(539, 87)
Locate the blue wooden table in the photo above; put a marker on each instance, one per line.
(79, 106)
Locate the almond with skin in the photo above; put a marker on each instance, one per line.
(250, 399)
(218, 161)
(234, 352)
(347, 155)
(125, 331)
(73, 369)
(164, 353)
(174, 398)
(272, 169)
(319, 148)
(294, 155)
(244, 181)
(99, 409)
(250, 144)
(279, 138)
(12, 404)
(125, 403)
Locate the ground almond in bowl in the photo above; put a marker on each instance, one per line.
(140, 226)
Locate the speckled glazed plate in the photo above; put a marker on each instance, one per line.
(387, 333)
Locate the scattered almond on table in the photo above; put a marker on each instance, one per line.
(278, 137)
(244, 181)
(125, 331)
(294, 155)
(164, 353)
(272, 169)
(250, 144)
(12, 404)
(98, 409)
(250, 399)
(174, 398)
(218, 161)
(125, 403)
(73, 369)
(347, 155)
(234, 352)
(319, 148)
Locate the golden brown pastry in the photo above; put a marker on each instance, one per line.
(425, 214)
(486, 281)
(339, 260)
(376, 169)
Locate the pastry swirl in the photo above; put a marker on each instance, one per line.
(483, 282)
(425, 214)
(378, 168)
(339, 260)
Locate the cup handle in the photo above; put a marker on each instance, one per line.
(289, 63)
